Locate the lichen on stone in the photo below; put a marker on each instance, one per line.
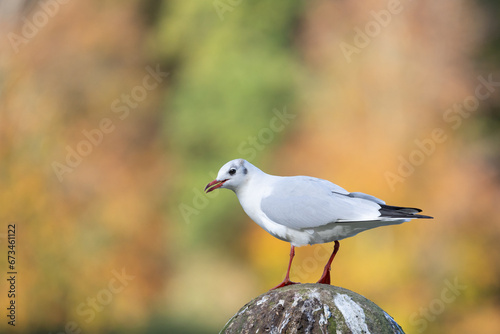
(311, 308)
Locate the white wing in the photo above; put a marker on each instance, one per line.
(302, 202)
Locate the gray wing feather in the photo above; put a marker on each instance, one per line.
(366, 196)
(304, 202)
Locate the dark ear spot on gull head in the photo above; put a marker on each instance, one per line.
(242, 163)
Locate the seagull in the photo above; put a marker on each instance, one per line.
(305, 210)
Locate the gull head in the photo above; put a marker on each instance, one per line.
(231, 175)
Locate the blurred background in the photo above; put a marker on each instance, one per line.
(114, 115)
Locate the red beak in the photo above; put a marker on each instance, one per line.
(214, 185)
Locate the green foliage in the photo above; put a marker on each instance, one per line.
(229, 72)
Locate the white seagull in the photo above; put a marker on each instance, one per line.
(305, 210)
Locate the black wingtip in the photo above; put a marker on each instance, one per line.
(390, 211)
(423, 217)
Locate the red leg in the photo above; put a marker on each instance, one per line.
(325, 278)
(287, 281)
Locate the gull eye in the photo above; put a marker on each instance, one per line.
(232, 171)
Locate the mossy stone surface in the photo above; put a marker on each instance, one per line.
(311, 308)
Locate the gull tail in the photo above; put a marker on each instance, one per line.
(390, 211)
